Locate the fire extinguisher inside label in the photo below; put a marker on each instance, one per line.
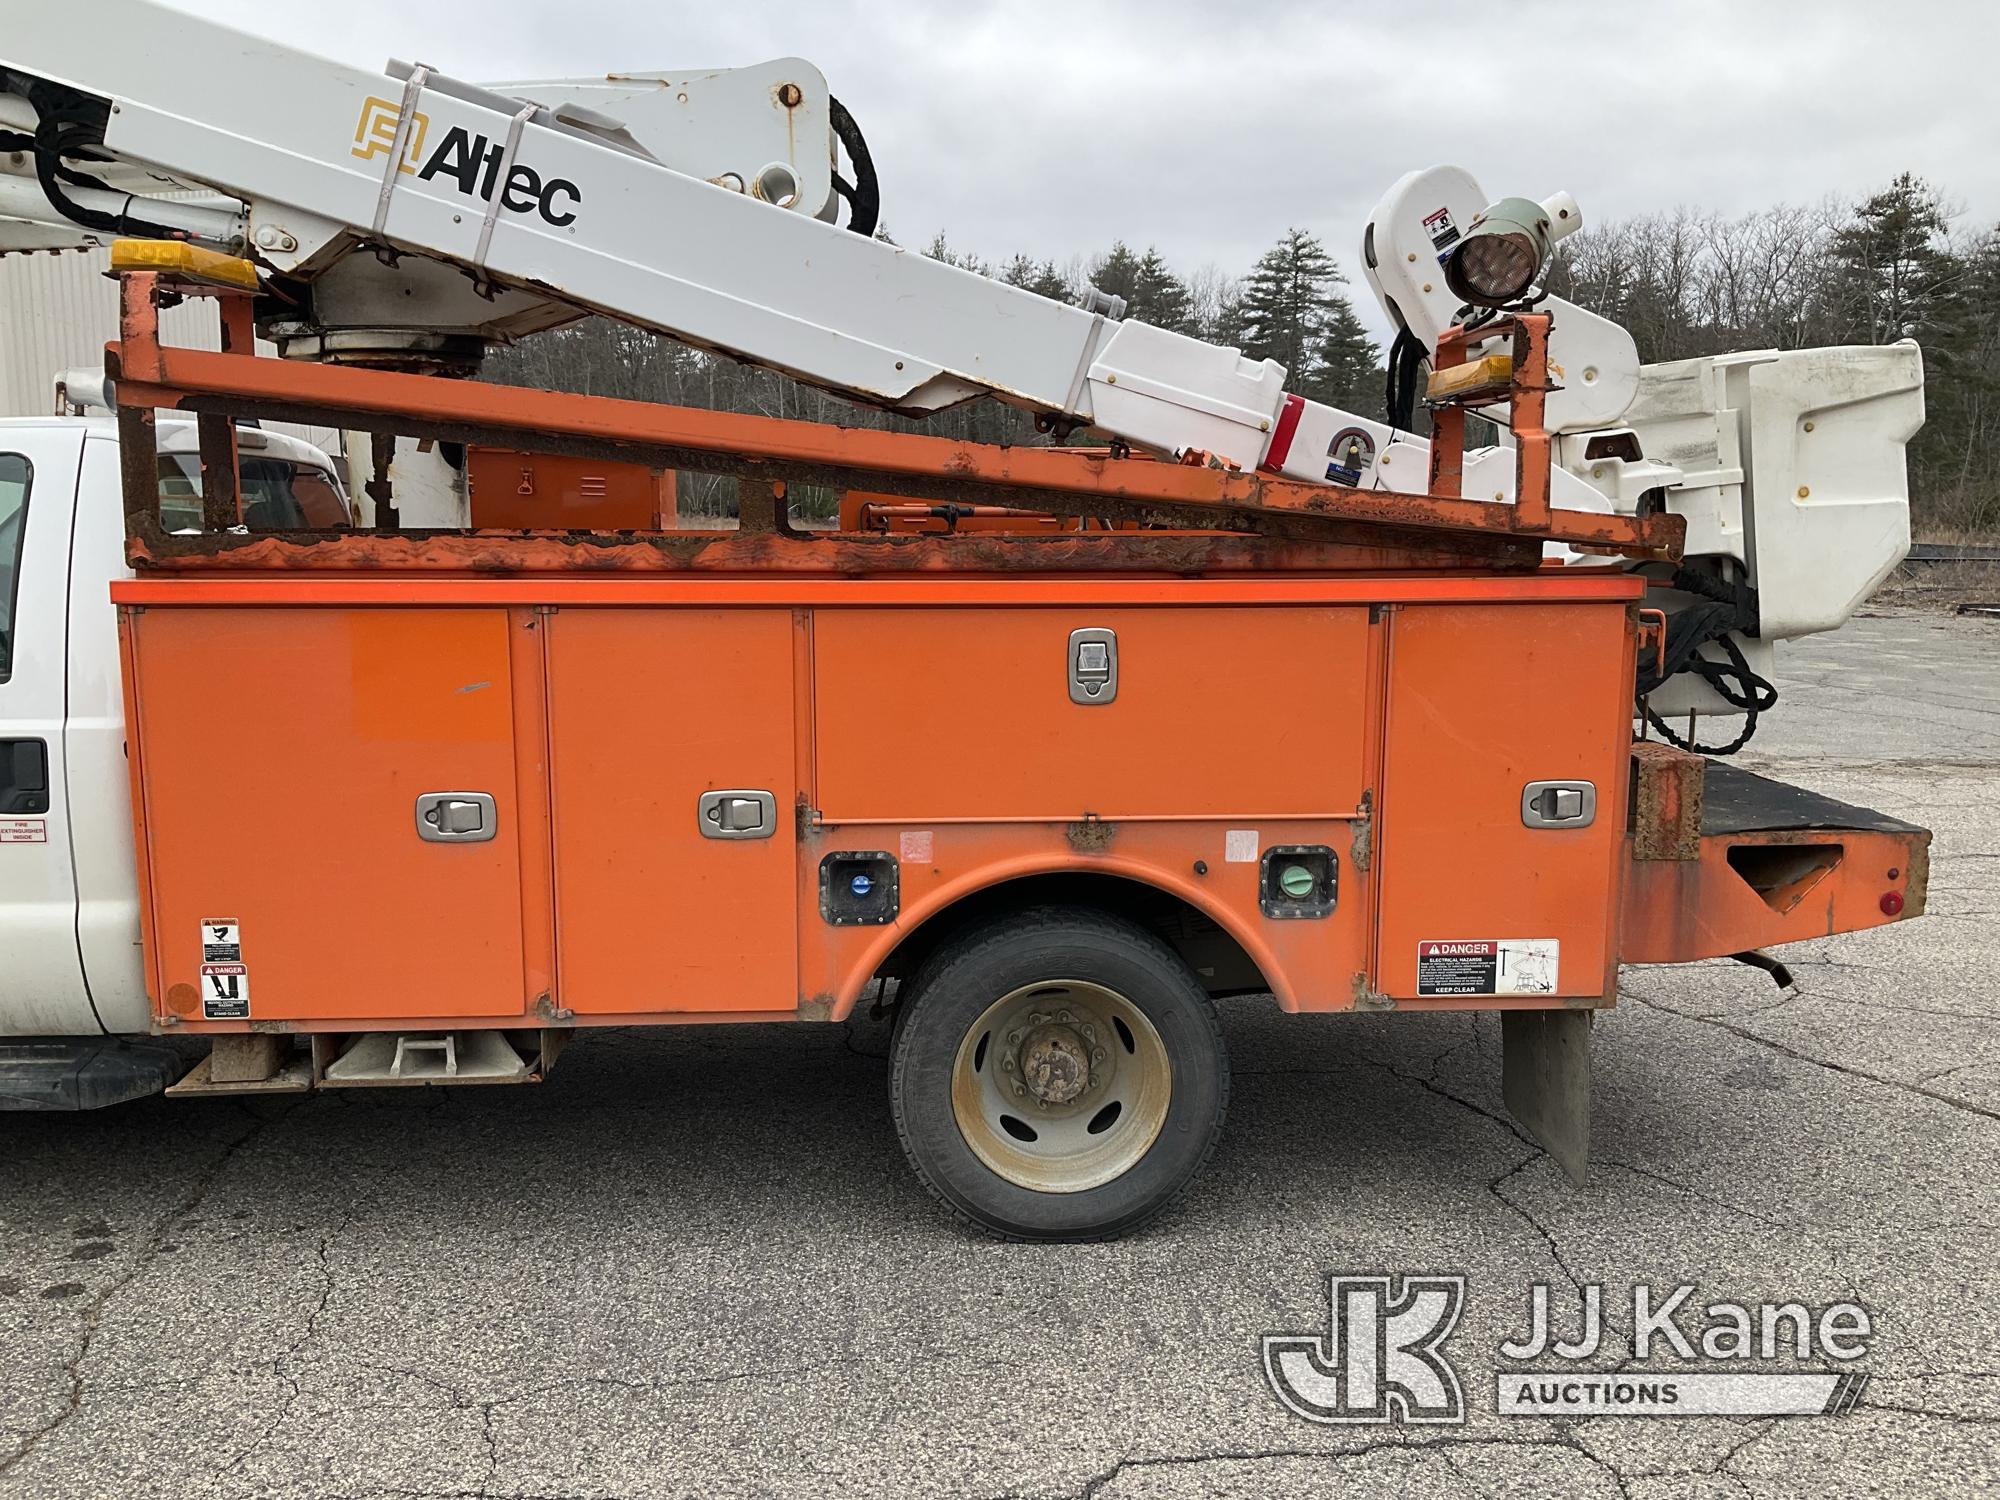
(1488, 966)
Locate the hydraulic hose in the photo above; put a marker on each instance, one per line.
(66, 123)
(864, 194)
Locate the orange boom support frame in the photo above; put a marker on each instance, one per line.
(1360, 750)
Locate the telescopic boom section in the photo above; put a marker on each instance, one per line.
(561, 203)
(412, 218)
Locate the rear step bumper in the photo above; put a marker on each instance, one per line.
(266, 1062)
(1724, 861)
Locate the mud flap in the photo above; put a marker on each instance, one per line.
(1545, 1079)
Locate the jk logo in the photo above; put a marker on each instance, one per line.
(1381, 1359)
(375, 133)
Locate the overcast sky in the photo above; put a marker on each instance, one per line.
(1207, 127)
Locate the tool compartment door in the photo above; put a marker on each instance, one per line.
(1219, 712)
(648, 710)
(283, 752)
(1483, 699)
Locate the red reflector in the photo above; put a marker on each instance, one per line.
(1892, 902)
(1281, 438)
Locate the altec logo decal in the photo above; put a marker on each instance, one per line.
(375, 133)
(471, 163)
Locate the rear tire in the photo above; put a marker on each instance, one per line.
(1057, 1075)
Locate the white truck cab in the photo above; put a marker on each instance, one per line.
(69, 916)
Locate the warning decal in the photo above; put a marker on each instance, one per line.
(1488, 966)
(225, 992)
(24, 830)
(1442, 230)
(221, 942)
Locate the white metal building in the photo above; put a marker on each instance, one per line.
(58, 309)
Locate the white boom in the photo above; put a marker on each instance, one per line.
(420, 218)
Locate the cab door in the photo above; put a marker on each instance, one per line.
(41, 982)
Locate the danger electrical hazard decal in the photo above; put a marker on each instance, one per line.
(225, 979)
(1488, 966)
(225, 992)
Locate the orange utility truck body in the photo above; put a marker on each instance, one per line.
(1387, 724)
(1062, 743)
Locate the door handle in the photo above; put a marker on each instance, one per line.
(456, 817)
(24, 776)
(1559, 804)
(737, 815)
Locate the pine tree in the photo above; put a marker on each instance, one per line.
(1227, 326)
(1893, 268)
(1291, 311)
(1286, 301)
(1019, 270)
(1344, 372)
(1952, 457)
(1116, 272)
(1038, 276)
(938, 249)
(1049, 282)
(1158, 296)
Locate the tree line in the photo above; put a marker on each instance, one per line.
(1896, 265)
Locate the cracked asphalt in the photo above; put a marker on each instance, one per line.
(694, 1262)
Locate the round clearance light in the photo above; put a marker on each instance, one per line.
(1296, 881)
(1892, 903)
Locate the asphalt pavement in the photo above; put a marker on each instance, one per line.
(694, 1262)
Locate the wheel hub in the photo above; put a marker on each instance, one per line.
(1055, 1063)
(1061, 1085)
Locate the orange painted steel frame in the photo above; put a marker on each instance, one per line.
(1527, 398)
(1678, 910)
(766, 448)
(1391, 719)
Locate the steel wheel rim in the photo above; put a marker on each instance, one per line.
(1024, 1047)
